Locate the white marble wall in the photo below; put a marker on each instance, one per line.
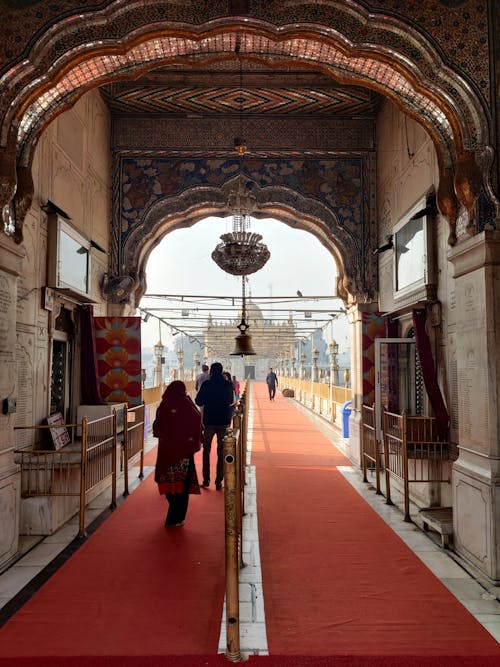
(72, 168)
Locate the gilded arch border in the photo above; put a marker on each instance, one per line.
(373, 48)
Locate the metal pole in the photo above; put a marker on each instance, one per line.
(113, 463)
(143, 419)
(83, 478)
(404, 436)
(125, 451)
(237, 426)
(231, 544)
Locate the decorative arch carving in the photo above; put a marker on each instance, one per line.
(356, 277)
(352, 43)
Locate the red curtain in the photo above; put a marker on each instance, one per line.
(91, 394)
(429, 373)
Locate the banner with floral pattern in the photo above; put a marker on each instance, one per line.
(118, 345)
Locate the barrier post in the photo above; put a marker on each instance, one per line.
(231, 548)
(125, 450)
(83, 478)
(404, 437)
(237, 422)
(113, 463)
(388, 500)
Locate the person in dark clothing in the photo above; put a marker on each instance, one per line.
(272, 383)
(178, 429)
(216, 398)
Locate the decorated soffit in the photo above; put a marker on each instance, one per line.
(220, 89)
(376, 73)
(376, 42)
(457, 28)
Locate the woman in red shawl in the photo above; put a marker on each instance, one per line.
(178, 429)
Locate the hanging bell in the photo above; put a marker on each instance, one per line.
(243, 346)
(243, 342)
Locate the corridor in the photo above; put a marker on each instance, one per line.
(333, 576)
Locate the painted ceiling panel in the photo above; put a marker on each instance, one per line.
(233, 100)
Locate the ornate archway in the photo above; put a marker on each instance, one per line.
(71, 53)
(356, 272)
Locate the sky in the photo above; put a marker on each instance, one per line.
(181, 264)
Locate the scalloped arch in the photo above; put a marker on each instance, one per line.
(85, 50)
(199, 202)
(429, 90)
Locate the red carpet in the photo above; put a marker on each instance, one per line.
(337, 580)
(253, 661)
(150, 456)
(134, 588)
(340, 589)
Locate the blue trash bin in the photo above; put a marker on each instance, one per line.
(345, 412)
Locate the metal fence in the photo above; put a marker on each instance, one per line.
(75, 469)
(371, 450)
(133, 441)
(325, 399)
(413, 453)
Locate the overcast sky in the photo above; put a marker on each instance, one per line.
(182, 264)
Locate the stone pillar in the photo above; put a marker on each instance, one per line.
(314, 365)
(158, 376)
(359, 373)
(11, 256)
(302, 369)
(476, 473)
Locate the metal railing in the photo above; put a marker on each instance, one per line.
(371, 451)
(133, 441)
(413, 453)
(235, 454)
(75, 469)
(323, 398)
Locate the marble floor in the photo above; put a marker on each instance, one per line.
(43, 556)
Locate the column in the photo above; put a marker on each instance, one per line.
(475, 400)
(11, 256)
(158, 377)
(180, 358)
(196, 369)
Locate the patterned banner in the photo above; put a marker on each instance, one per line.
(118, 344)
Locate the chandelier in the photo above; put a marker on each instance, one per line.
(241, 251)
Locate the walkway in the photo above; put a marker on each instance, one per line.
(336, 579)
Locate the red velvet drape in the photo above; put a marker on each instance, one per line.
(89, 376)
(429, 373)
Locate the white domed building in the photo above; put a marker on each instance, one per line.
(270, 341)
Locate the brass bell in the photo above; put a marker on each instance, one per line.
(243, 342)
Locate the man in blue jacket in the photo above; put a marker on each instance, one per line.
(216, 397)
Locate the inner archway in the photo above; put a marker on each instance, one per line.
(291, 308)
(355, 267)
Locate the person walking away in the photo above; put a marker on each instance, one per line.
(179, 431)
(201, 377)
(215, 397)
(272, 383)
(226, 375)
(236, 386)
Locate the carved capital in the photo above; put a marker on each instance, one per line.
(468, 183)
(447, 202)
